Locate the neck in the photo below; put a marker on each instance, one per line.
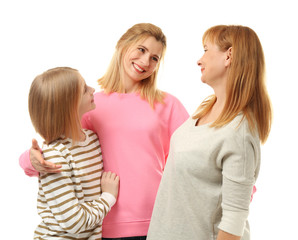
(82, 136)
(220, 101)
(218, 106)
(130, 86)
(220, 93)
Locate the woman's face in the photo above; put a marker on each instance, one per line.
(214, 63)
(141, 60)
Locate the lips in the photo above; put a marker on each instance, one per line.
(138, 68)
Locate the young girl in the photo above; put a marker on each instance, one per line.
(134, 121)
(72, 203)
(214, 157)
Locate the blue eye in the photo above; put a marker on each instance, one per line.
(155, 59)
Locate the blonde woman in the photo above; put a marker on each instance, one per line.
(72, 203)
(134, 121)
(214, 157)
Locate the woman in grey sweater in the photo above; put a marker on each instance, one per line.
(214, 156)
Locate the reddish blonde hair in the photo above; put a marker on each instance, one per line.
(53, 103)
(111, 81)
(246, 88)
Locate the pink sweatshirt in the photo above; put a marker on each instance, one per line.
(135, 144)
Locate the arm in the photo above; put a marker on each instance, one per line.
(33, 162)
(62, 198)
(240, 166)
(178, 115)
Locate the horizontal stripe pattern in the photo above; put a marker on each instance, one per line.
(70, 202)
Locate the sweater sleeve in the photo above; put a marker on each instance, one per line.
(25, 163)
(240, 166)
(63, 198)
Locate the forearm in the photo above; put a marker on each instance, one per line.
(71, 215)
(239, 174)
(226, 236)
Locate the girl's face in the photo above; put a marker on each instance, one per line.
(141, 60)
(87, 99)
(214, 64)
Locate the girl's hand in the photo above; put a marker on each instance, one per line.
(38, 161)
(110, 183)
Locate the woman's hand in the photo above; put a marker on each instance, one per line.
(226, 236)
(38, 161)
(110, 183)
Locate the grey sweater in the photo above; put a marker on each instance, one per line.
(207, 182)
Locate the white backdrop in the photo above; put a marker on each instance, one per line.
(37, 35)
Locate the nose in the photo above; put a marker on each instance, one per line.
(199, 62)
(145, 60)
(92, 90)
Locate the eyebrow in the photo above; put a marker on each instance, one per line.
(155, 55)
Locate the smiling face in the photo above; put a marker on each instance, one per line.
(140, 61)
(214, 64)
(87, 99)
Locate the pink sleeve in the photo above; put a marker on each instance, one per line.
(25, 163)
(178, 116)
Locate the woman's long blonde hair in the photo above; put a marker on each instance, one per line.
(53, 103)
(246, 88)
(111, 81)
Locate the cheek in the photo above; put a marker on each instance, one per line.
(153, 67)
(134, 54)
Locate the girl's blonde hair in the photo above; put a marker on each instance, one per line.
(53, 103)
(246, 88)
(111, 81)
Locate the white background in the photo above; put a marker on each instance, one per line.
(38, 35)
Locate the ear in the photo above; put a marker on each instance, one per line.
(228, 57)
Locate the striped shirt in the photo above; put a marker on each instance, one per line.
(70, 203)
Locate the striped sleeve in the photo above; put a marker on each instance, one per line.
(62, 193)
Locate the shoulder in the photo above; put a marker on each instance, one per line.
(171, 101)
(100, 94)
(91, 136)
(175, 104)
(238, 130)
(90, 133)
(56, 151)
(170, 98)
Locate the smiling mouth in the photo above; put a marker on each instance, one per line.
(138, 68)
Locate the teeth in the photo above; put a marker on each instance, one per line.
(138, 68)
